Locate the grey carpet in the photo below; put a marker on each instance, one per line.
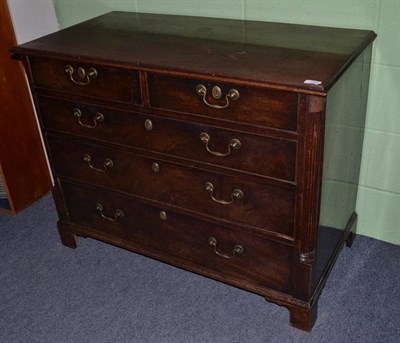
(100, 293)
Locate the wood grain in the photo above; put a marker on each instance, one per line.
(264, 206)
(182, 236)
(259, 155)
(270, 54)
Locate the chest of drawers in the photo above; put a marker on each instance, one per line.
(227, 148)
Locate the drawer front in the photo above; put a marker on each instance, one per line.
(261, 261)
(254, 106)
(109, 83)
(214, 194)
(256, 154)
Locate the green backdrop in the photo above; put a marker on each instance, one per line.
(378, 203)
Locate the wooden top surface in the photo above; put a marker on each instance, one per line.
(272, 53)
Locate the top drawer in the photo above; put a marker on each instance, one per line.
(87, 79)
(253, 106)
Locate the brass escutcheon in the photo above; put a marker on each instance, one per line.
(148, 125)
(155, 167)
(216, 92)
(163, 215)
(81, 73)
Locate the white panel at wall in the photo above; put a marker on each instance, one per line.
(32, 18)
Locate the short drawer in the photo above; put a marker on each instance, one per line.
(199, 242)
(226, 148)
(229, 102)
(218, 195)
(87, 79)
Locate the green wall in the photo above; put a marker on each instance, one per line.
(378, 202)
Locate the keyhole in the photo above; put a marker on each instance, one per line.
(216, 92)
(81, 72)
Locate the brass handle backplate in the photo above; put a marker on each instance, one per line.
(98, 118)
(237, 249)
(237, 194)
(84, 76)
(108, 163)
(234, 144)
(117, 215)
(216, 92)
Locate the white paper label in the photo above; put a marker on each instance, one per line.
(312, 82)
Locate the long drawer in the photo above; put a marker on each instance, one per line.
(185, 237)
(228, 102)
(259, 155)
(87, 79)
(219, 195)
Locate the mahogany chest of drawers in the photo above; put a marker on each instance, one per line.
(227, 148)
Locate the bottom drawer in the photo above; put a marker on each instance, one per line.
(196, 241)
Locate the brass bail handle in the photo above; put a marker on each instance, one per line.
(98, 118)
(108, 163)
(237, 194)
(84, 76)
(216, 92)
(234, 144)
(237, 249)
(117, 215)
